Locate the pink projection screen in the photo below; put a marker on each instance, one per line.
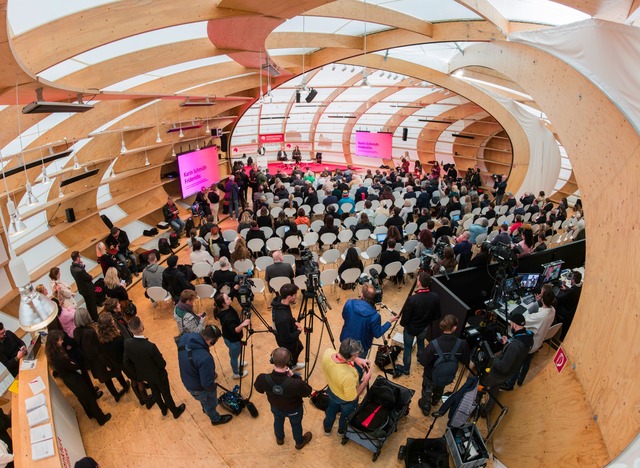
(198, 169)
(373, 145)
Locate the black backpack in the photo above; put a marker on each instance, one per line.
(188, 226)
(173, 240)
(163, 246)
(446, 366)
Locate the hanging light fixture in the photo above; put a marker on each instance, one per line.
(181, 134)
(365, 82)
(158, 139)
(60, 192)
(16, 226)
(173, 151)
(44, 178)
(36, 310)
(76, 164)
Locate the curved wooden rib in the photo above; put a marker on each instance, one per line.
(603, 351)
(488, 12)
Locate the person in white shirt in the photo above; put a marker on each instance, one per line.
(539, 323)
(200, 255)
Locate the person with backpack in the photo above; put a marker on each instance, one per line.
(285, 391)
(440, 360)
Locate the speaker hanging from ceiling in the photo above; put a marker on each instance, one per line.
(405, 134)
(312, 94)
(298, 96)
(71, 216)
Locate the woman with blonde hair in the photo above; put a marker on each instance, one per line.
(105, 260)
(113, 288)
(240, 252)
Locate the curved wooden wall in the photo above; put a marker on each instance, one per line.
(588, 414)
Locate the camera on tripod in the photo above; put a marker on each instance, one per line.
(502, 253)
(245, 293)
(311, 270)
(374, 279)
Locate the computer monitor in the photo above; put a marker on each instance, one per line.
(551, 271)
(381, 237)
(529, 280)
(455, 217)
(509, 285)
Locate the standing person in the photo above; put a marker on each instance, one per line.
(232, 194)
(417, 314)
(84, 282)
(198, 371)
(288, 330)
(440, 360)
(508, 361)
(214, 202)
(362, 321)
(568, 299)
(102, 366)
(68, 370)
(285, 391)
(185, 317)
(172, 216)
(61, 290)
(12, 349)
(120, 240)
(342, 378)
(143, 361)
(231, 332)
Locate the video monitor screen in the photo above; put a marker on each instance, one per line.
(530, 280)
(198, 169)
(551, 271)
(373, 145)
(509, 285)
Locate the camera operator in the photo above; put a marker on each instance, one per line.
(436, 377)
(287, 329)
(499, 187)
(508, 361)
(285, 391)
(362, 321)
(231, 332)
(417, 314)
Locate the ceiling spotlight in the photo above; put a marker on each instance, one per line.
(16, 226)
(344, 68)
(31, 199)
(124, 148)
(353, 68)
(181, 134)
(158, 139)
(333, 68)
(389, 75)
(365, 83)
(45, 178)
(381, 72)
(395, 77)
(311, 96)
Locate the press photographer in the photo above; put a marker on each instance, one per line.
(362, 321)
(499, 187)
(287, 329)
(420, 310)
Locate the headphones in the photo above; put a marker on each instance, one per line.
(216, 333)
(272, 353)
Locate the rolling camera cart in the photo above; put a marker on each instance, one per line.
(377, 416)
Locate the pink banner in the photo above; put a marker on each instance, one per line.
(246, 149)
(271, 138)
(373, 145)
(301, 146)
(198, 169)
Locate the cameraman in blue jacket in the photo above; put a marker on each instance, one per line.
(362, 321)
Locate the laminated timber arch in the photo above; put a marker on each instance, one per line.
(584, 416)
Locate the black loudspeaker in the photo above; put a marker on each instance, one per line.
(297, 96)
(405, 133)
(312, 94)
(214, 132)
(224, 142)
(71, 216)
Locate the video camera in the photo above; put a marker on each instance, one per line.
(374, 279)
(311, 270)
(245, 293)
(496, 177)
(502, 253)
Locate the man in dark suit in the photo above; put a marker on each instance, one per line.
(279, 268)
(143, 361)
(84, 282)
(330, 199)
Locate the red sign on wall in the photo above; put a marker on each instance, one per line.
(271, 138)
(560, 359)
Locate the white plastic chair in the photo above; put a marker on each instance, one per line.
(372, 252)
(276, 283)
(275, 243)
(381, 219)
(244, 232)
(292, 242)
(204, 291)
(268, 232)
(409, 247)
(328, 238)
(201, 269)
(363, 234)
(411, 266)
(360, 205)
(330, 257)
(229, 235)
(301, 282)
(258, 287)
(410, 229)
(307, 209)
(290, 259)
(375, 266)
(392, 269)
(158, 295)
(275, 211)
(344, 253)
(243, 266)
(328, 278)
(350, 221)
(317, 225)
(310, 239)
(492, 235)
(318, 209)
(255, 245)
(290, 212)
(480, 238)
(345, 235)
(281, 231)
(346, 207)
(349, 276)
(303, 228)
(263, 262)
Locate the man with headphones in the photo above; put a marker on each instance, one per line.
(285, 391)
(198, 370)
(417, 315)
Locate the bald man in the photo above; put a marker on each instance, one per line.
(279, 268)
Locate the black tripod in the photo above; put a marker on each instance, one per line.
(247, 312)
(314, 304)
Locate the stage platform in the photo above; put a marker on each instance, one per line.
(305, 166)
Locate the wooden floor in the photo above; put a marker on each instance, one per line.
(137, 437)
